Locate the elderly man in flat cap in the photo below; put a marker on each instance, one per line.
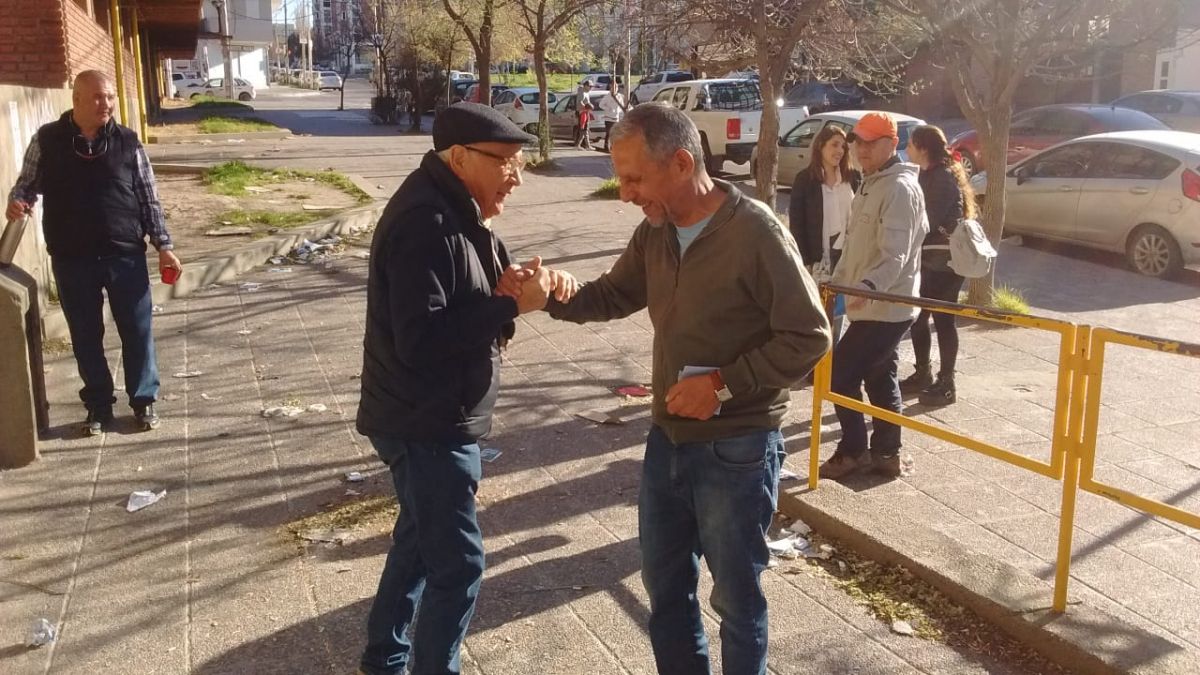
(431, 374)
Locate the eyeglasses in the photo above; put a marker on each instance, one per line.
(90, 150)
(510, 165)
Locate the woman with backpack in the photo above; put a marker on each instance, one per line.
(948, 198)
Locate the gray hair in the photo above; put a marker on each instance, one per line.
(665, 129)
(97, 77)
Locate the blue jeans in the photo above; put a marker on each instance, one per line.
(713, 499)
(866, 357)
(435, 565)
(127, 282)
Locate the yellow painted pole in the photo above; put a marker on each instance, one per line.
(114, 27)
(137, 73)
(1066, 521)
(821, 380)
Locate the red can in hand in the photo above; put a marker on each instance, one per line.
(170, 275)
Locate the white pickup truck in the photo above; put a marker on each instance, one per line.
(728, 113)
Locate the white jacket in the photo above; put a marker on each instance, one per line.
(882, 247)
(612, 107)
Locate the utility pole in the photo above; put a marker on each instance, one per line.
(223, 19)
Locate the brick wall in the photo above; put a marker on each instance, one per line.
(44, 43)
(32, 44)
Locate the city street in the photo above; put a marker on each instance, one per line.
(213, 578)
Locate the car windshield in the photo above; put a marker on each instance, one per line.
(904, 131)
(734, 96)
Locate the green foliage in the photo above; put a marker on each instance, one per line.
(609, 189)
(231, 178)
(205, 101)
(269, 219)
(1010, 300)
(233, 125)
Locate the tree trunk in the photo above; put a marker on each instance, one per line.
(545, 140)
(415, 115)
(484, 53)
(995, 161)
(767, 164)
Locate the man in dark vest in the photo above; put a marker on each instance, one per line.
(100, 207)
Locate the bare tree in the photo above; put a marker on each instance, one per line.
(541, 21)
(477, 19)
(989, 47)
(845, 38)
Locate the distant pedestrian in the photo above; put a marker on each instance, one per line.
(613, 106)
(820, 207)
(948, 198)
(584, 109)
(100, 206)
(882, 253)
(431, 375)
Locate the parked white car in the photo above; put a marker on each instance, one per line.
(563, 117)
(652, 83)
(795, 144)
(329, 79)
(242, 90)
(1132, 192)
(522, 106)
(728, 114)
(456, 75)
(181, 81)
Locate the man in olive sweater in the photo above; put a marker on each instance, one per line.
(737, 321)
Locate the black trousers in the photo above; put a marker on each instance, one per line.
(945, 286)
(866, 356)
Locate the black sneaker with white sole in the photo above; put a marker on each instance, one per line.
(146, 418)
(96, 421)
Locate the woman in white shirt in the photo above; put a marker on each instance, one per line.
(613, 107)
(820, 204)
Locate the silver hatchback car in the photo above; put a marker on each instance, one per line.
(1133, 192)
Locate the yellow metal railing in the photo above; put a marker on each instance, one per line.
(1076, 414)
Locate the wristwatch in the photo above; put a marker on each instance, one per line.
(722, 390)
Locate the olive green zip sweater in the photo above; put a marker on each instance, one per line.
(740, 300)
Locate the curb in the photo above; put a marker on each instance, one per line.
(1084, 639)
(219, 138)
(206, 271)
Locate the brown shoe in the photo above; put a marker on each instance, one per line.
(844, 464)
(892, 466)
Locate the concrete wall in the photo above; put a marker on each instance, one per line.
(1182, 63)
(22, 111)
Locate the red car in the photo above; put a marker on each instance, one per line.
(1039, 128)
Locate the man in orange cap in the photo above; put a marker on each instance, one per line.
(881, 253)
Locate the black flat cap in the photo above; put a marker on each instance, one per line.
(465, 123)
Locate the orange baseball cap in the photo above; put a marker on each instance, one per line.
(873, 126)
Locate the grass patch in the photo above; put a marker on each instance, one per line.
(368, 513)
(269, 219)
(231, 178)
(537, 165)
(609, 189)
(892, 593)
(56, 346)
(1009, 299)
(233, 125)
(205, 101)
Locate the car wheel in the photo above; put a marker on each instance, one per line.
(531, 128)
(968, 164)
(710, 163)
(1152, 251)
(244, 96)
(194, 96)
(633, 99)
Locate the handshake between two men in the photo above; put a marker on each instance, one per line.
(531, 285)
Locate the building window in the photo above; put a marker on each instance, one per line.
(1165, 69)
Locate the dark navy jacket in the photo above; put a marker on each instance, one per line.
(431, 355)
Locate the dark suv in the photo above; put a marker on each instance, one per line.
(824, 96)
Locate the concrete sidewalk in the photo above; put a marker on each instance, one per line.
(210, 580)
